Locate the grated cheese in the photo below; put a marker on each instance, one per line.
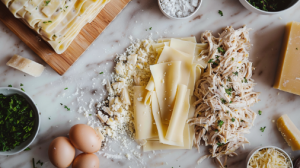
(269, 158)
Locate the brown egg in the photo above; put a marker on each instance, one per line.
(61, 152)
(86, 160)
(85, 138)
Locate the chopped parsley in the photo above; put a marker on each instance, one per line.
(227, 112)
(54, 35)
(27, 149)
(220, 144)
(90, 114)
(21, 84)
(49, 118)
(66, 88)
(228, 91)
(220, 123)
(61, 104)
(216, 130)
(233, 119)
(44, 22)
(211, 61)
(39, 162)
(101, 73)
(9, 85)
(262, 129)
(47, 2)
(220, 12)
(270, 5)
(259, 112)
(49, 21)
(67, 7)
(221, 50)
(223, 101)
(245, 80)
(232, 59)
(22, 89)
(16, 121)
(230, 102)
(150, 28)
(242, 121)
(236, 73)
(66, 107)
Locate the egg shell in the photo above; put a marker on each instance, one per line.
(85, 138)
(86, 160)
(61, 152)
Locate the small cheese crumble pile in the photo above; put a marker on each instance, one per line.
(179, 8)
(132, 69)
(269, 158)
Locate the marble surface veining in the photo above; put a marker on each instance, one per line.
(48, 90)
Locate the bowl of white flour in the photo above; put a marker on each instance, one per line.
(179, 9)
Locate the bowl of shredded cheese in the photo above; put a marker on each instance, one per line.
(179, 9)
(269, 157)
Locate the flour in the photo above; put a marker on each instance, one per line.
(179, 8)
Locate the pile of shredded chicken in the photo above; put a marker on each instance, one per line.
(224, 94)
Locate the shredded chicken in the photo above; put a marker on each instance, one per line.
(224, 94)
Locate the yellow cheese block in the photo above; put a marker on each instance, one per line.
(289, 132)
(288, 73)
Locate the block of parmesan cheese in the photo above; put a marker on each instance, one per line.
(288, 72)
(25, 65)
(289, 132)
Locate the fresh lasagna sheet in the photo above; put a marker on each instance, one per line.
(168, 96)
(57, 21)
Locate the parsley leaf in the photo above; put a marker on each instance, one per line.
(236, 73)
(39, 162)
(223, 101)
(259, 112)
(66, 88)
(21, 84)
(47, 2)
(220, 144)
(90, 114)
(216, 130)
(228, 91)
(67, 108)
(211, 61)
(221, 50)
(220, 123)
(150, 28)
(262, 129)
(27, 149)
(9, 85)
(101, 73)
(233, 119)
(220, 12)
(22, 89)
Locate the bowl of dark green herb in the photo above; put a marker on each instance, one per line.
(19, 121)
(269, 7)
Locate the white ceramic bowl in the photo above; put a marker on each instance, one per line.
(251, 8)
(171, 17)
(9, 91)
(259, 148)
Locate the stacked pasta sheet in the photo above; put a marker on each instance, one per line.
(162, 108)
(57, 21)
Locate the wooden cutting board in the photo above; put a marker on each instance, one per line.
(62, 62)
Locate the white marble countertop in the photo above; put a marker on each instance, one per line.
(48, 90)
